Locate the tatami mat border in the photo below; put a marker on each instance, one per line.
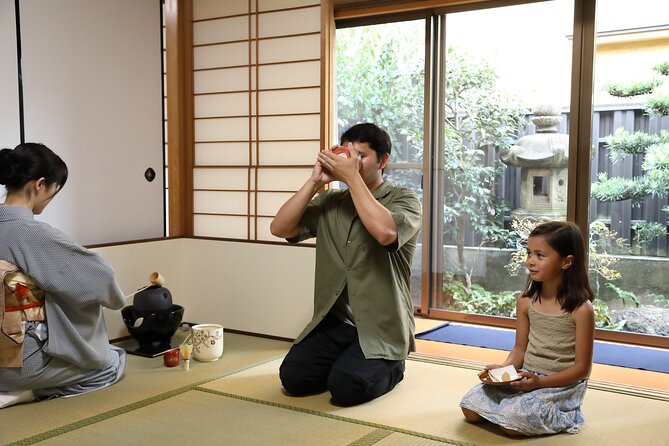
(335, 417)
(642, 392)
(129, 407)
(371, 438)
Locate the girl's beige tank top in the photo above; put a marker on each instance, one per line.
(551, 347)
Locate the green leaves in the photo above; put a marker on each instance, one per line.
(478, 300)
(636, 88)
(646, 232)
(380, 79)
(622, 143)
(662, 68)
(658, 105)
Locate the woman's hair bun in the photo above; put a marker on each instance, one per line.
(8, 166)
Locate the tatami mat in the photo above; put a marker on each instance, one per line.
(145, 378)
(396, 439)
(238, 400)
(426, 404)
(207, 419)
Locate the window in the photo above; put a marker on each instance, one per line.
(630, 178)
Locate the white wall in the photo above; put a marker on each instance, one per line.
(258, 288)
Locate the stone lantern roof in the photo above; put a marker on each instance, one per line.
(546, 148)
(543, 159)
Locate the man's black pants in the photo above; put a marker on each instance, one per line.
(330, 358)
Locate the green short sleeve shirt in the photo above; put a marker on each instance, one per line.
(378, 277)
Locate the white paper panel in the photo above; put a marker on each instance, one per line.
(222, 129)
(223, 153)
(298, 74)
(228, 179)
(222, 30)
(223, 55)
(225, 79)
(289, 127)
(10, 133)
(264, 232)
(205, 9)
(224, 226)
(289, 179)
(286, 49)
(285, 139)
(209, 202)
(305, 100)
(271, 5)
(288, 152)
(286, 23)
(270, 202)
(226, 104)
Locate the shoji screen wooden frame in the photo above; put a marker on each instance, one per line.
(257, 110)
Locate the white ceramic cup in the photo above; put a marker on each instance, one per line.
(207, 342)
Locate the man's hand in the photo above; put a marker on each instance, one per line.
(340, 168)
(321, 176)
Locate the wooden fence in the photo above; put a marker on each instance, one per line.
(619, 216)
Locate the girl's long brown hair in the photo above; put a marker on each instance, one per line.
(567, 240)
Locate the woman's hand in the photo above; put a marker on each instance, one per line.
(531, 382)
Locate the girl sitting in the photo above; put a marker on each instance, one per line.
(554, 342)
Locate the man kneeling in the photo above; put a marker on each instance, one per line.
(362, 329)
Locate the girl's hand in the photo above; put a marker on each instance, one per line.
(488, 367)
(531, 382)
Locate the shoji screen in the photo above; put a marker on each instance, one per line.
(92, 92)
(257, 110)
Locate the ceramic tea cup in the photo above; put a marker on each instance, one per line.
(207, 342)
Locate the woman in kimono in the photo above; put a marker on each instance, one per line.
(68, 352)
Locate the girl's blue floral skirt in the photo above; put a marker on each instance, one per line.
(542, 411)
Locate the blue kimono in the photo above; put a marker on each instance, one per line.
(69, 352)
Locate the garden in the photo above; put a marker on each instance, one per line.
(483, 241)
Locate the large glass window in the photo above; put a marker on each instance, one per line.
(630, 166)
(380, 79)
(506, 101)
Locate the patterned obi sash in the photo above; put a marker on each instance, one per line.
(20, 300)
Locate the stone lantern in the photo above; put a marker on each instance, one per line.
(543, 159)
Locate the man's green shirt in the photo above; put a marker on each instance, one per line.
(377, 277)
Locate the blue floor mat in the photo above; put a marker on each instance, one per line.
(621, 355)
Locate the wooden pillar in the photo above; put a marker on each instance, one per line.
(180, 123)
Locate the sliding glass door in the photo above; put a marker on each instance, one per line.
(630, 167)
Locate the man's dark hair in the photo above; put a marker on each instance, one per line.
(376, 137)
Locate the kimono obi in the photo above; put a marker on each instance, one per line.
(21, 300)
